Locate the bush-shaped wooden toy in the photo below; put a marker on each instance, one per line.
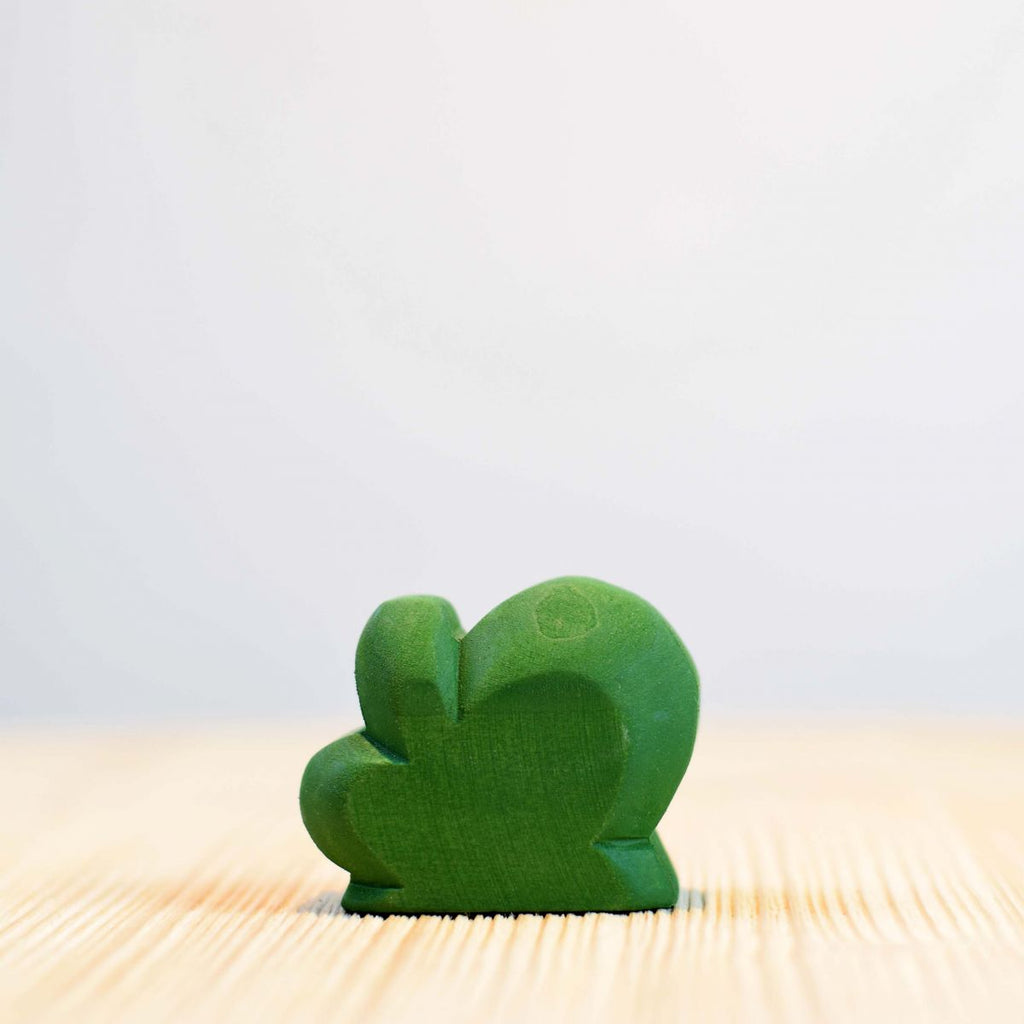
(520, 767)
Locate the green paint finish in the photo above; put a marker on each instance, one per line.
(521, 767)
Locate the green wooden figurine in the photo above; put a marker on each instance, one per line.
(519, 767)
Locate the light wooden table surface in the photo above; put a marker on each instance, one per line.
(861, 873)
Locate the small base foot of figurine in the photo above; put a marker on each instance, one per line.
(637, 874)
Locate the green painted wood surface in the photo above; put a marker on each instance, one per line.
(522, 766)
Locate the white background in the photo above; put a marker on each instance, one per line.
(306, 305)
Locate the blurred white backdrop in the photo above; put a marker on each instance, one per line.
(308, 305)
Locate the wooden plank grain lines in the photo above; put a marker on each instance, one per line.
(830, 873)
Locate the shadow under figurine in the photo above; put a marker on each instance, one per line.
(518, 768)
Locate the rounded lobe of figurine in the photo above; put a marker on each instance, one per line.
(565, 614)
